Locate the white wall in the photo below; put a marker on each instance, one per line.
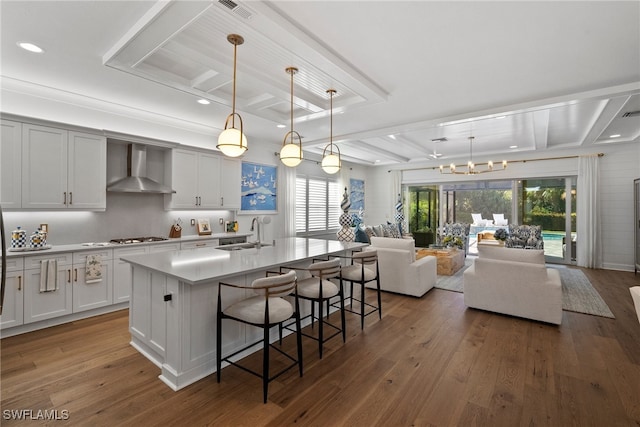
(618, 168)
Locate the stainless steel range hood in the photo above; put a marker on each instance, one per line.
(136, 180)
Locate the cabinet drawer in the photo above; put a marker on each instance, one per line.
(164, 247)
(136, 250)
(62, 258)
(81, 257)
(14, 264)
(201, 244)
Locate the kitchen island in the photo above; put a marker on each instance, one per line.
(174, 300)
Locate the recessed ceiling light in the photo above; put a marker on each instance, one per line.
(392, 136)
(281, 126)
(204, 101)
(378, 161)
(617, 135)
(500, 117)
(513, 146)
(30, 47)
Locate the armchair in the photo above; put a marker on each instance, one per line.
(457, 229)
(478, 221)
(524, 237)
(399, 270)
(499, 220)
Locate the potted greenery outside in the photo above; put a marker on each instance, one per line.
(423, 237)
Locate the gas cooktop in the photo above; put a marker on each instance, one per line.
(129, 240)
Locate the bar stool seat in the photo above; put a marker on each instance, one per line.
(265, 310)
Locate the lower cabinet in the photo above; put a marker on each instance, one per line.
(73, 294)
(88, 295)
(13, 305)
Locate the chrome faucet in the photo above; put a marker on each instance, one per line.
(254, 221)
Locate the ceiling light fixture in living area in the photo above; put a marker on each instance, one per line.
(331, 162)
(472, 168)
(232, 142)
(291, 153)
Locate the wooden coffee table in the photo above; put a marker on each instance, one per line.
(449, 261)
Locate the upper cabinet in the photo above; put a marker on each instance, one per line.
(201, 181)
(10, 165)
(62, 169)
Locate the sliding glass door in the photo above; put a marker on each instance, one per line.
(551, 203)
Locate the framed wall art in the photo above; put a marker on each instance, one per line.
(259, 188)
(356, 194)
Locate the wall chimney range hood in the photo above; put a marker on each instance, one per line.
(136, 180)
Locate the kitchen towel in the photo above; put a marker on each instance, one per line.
(94, 269)
(48, 275)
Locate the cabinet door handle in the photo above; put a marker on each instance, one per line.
(65, 198)
(221, 201)
(199, 201)
(201, 244)
(19, 283)
(71, 197)
(75, 274)
(196, 200)
(68, 276)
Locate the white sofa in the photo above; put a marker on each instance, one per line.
(399, 270)
(515, 282)
(635, 294)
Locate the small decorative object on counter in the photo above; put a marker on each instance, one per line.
(38, 239)
(18, 238)
(231, 226)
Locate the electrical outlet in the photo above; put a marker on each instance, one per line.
(193, 222)
(221, 221)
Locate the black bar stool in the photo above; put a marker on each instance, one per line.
(265, 310)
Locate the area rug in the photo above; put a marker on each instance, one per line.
(578, 294)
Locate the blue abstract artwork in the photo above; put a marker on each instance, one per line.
(259, 189)
(356, 195)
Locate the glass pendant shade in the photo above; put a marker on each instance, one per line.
(291, 155)
(331, 163)
(232, 142)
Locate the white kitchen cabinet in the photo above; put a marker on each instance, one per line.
(87, 296)
(13, 306)
(203, 181)
(47, 305)
(62, 169)
(194, 177)
(230, 180)
(11, 165)
(122, 270)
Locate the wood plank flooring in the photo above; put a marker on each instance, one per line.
(428, 362)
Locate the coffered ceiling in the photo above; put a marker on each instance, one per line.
(414, 80)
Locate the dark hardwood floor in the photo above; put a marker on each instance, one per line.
(429, 362)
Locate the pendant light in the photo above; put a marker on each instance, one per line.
(232, 142)
(331, 162)
(472, 168)
(291, 153)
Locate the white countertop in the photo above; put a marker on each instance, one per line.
(97, 246)
(195, 266)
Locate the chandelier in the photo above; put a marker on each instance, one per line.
(331, 162)
(291, 153)
(233, 142)
(473, 168)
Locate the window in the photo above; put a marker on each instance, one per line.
(317, 205)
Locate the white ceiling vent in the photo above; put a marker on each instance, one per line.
(631, 114)
(443, 139)
(235, 8)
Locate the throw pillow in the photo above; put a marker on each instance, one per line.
(361, 236)
(377, 230)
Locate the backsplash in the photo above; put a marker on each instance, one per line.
(127, 215)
